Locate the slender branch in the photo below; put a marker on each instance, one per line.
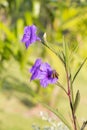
(58, 84)
(84, 125)
(79, 69)
(51, 49)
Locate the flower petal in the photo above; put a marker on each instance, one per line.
(27, 29)
(52, 80)
(42, 74)
(27, 44)
(37, 64)
(33, 29)
(45, 67)
(33, 37)
(30, 36)
(44, 82)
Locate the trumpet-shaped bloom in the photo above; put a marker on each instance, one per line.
(29, 35)
(43, 72)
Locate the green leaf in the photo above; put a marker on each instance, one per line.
(77, 99)
(66, 53)
(58, 84)
(71, 87)
(59, 115)
(44, 42)
(84, 125)
(78, 70)
(62, 58)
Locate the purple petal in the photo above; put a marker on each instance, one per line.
(33, 33)
(27, 44)
(45, 67)
(37, 64)
(27, 29)
(34, 75)
(44, 82)
(25, 38)
(52, 80)
(42, 75)
(34, 37)
(37, 75)
(33, 29)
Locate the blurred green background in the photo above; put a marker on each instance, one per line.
(19, 107)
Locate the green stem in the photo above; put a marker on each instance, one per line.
(59, 85)
(51, 49)
(84, 125)
(70, 100)
(71, 87)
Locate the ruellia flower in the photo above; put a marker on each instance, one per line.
(44, 73)
(29, 35)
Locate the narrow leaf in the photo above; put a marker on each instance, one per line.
(44, 42)
(77, 99)
(78, 70)
(62, 59)
(73, 51)
(58, 84)
(52, 50)
(84, 125)
(71, 87)
(65, 53)
(59, 115)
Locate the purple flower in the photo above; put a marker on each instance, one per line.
(35, 69)
(43, 72)
(30, 35)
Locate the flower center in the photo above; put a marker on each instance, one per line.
(49, 73)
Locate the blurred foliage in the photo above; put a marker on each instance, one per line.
(57, 18)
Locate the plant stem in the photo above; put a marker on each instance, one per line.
(59, 85)
(51, 49)
(84, 125)
(69, 95)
